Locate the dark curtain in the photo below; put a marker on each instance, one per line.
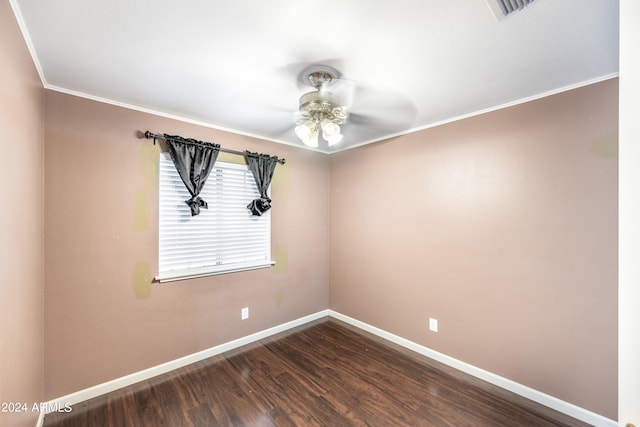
(194, 161)
(262, 167)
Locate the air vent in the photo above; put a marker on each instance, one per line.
(502, 8)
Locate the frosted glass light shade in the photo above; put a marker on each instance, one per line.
(331, 132)
(308, 133)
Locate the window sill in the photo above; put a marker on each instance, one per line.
(172, 276)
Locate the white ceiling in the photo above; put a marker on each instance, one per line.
(234, 65)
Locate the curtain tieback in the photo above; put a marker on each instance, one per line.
(259, 206)
(195, 203)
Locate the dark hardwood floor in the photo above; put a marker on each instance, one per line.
(326, 373)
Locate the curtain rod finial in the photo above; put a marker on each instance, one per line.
(149, 135)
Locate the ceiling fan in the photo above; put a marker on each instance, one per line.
(335, 102)
(321, 109)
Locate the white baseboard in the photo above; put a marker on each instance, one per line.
(514, 387)
(40, 421)
(127, 380)
(522, 390)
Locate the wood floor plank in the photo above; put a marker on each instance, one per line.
(325, 373)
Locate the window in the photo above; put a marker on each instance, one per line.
(223, 238)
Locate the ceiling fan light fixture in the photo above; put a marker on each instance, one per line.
(329, 128)
(320, 110)
(308, 133)
(331, 132)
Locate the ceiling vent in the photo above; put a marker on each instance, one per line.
(502, 8)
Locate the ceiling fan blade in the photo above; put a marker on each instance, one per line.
(383, 106)
(370, 129)
(344, 91)
(376, 124)
(270, 120)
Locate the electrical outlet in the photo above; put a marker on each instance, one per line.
(433, 324)
(245, 313)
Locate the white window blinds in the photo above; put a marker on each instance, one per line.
(223, 238)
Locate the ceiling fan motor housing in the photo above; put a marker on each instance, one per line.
(318, 105)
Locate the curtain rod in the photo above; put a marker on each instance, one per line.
(154, 136)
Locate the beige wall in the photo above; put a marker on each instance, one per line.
(104, 317)
(21, 225)
(504, 228)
